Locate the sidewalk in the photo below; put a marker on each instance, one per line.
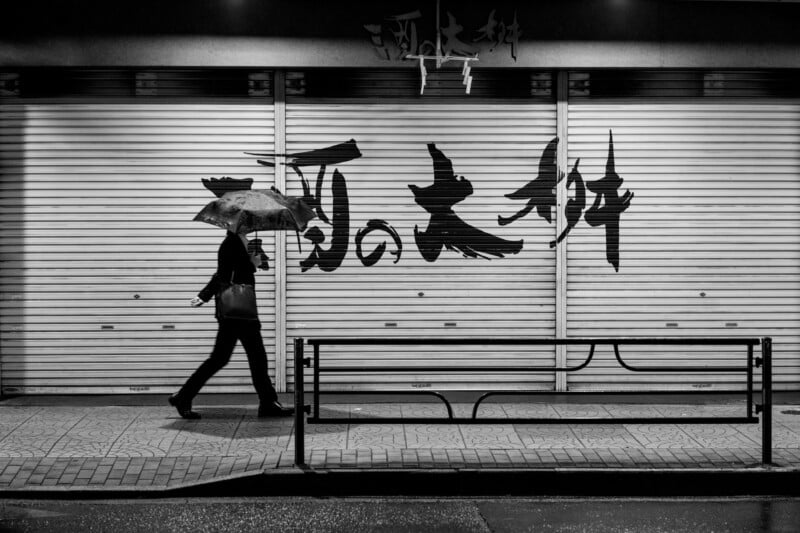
(140, 444)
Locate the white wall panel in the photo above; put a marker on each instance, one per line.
(100, 255)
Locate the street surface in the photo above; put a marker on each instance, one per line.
(429, 515)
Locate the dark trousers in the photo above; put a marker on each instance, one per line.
(230, 331)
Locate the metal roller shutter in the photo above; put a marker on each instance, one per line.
(497, 147)
(99, 252)
(708, 247)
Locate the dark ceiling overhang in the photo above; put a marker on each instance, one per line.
(541, 20)
(306, 33)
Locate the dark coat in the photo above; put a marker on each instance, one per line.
(233, 265)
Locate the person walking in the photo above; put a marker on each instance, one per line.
(234, 265)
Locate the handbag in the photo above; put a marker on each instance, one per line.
(237, 301)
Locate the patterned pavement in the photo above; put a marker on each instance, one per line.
(149, 447)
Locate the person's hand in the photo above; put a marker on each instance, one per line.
(196, 302)
(257, 255)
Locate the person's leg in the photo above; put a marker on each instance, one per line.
(253, 344)
(220, 355)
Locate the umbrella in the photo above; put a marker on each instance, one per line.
(256, 210)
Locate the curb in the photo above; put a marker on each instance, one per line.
(758, 481)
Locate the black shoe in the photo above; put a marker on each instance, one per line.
(274, 409)
(184, 408)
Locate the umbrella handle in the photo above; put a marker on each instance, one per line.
(296, 232)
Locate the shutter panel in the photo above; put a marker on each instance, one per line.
(100, 255)
(497, 147)
(708, 247)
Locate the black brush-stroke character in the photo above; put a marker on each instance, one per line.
(498, 33)
(445, 228)
(575, 206)
(376, 36)
(494, 31)
(322, 157)
(330, 259)
(540, 193)
(227, 184)
(377, 253)
(452, 45)
(405, 32)
(609, 214)
(512, 35)
(402, 28)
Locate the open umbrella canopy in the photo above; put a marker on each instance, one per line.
(256, 210)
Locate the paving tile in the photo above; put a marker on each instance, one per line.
(581, 411)
(547, 436)
(381, 410)
(433, 436)
(36, 479)
(782, 436)
(661, 436)
(423, 410)
(257, 436)
(501, 457)
(151, 434)
(495, 436)
(704, 410)
(376, 436)
(324, 436)
(631, 410)
(485, 410)
(12, 417)
(209, 436)
(317, 459)
(336, 410)
(272, 460)
(783, 412)
(718, 436)
(12, 468)
(529, 410)
(38, 434)
(94, 435)
(454, 456)
(410, 459)
(604, 436)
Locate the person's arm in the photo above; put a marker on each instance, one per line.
(226, 260)
(207, 292)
